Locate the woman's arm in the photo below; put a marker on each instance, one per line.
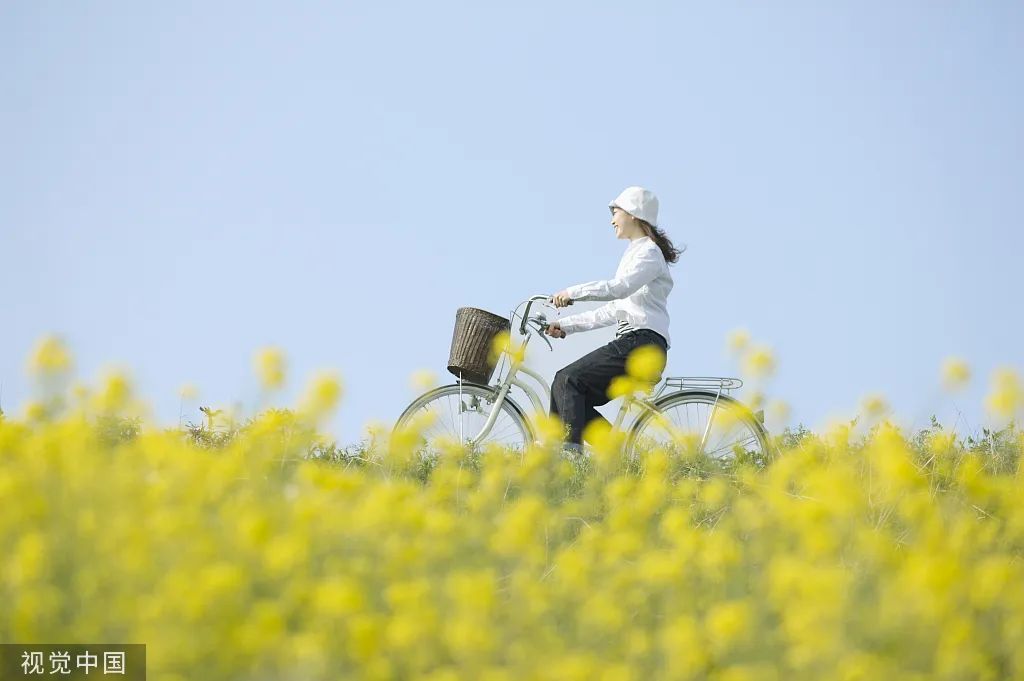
(591, 319)
(641, 270)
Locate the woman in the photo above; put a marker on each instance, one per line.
(639, 305)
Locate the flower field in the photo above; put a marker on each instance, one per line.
(876, 556)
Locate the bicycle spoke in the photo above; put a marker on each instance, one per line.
(726, 427)
(751, 439)
(460, 415)
(451, 418)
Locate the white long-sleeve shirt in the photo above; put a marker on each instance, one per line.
(638, 293)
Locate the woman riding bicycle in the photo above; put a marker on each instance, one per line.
(638, 296)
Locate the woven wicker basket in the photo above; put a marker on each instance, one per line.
(475, 329)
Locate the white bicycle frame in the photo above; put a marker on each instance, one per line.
(512, 379)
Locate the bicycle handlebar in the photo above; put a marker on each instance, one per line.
(526, 313)
(529, 303)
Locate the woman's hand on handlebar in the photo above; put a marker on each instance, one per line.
(561, 299)
(555, 330)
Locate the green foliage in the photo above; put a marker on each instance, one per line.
(999, 450)
(113, 430)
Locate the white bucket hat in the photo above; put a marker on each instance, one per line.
(638, 202)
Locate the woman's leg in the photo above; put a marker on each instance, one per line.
(583, 385)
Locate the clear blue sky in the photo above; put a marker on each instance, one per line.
(183, 183)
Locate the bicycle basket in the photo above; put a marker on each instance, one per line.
(475, 329)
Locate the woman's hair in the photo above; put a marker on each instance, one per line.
(659, 237)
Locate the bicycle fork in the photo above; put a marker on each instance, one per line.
(511, 379)
(491, 418)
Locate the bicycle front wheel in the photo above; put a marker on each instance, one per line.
(701, 423)
(454, 415)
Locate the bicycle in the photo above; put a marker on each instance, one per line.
(697, 412)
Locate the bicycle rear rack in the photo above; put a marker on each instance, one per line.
(713, 382)
(719, 384)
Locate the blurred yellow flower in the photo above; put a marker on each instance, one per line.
(738, 341)
(759, 362)
(606, 441)
(322, 395)
(472, 589)
(115, 394)
(755, 400)
(621, 386)
(270, 366)
(1006, 396)
(340, 595)
(777, 410)
(35, 411)
(423, 380)
(29, 558)
(684, 648)
(727, 622)
(376, 431)
(517, 529)
(646, 363)
(550, 428)
(469, 638)
(874, 406)
(715, 493)
(955, 373)
(188, 392)
(504, 343)
(50, 357)
(80, 391)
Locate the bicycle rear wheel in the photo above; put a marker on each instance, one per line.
(452, 416)
(701, 423)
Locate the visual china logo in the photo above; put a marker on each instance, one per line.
(73, 661)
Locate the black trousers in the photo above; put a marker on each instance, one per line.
(583, 385)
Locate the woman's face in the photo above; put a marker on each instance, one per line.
(626, 226)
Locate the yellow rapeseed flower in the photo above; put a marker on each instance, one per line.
(322, 395)
(684, 648)
(340, 595)
(621, 386)
(606, 441)
(504, 343)
(35, 410)
(472, 590)
(468, 637)
(738, 341)
(518, 528)
(50, 357)
(759, 362)
(755, 400)
(365, 636)
(115, 394)
(727, 622)
(602, 613)
(777, 410)
(646, 363)
(376, 432)
(955, 373)
(550, 428)
(30, 557)
(423, 380)
(715, 493)
(270, 366)
(874, 406)
(1007, 396)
